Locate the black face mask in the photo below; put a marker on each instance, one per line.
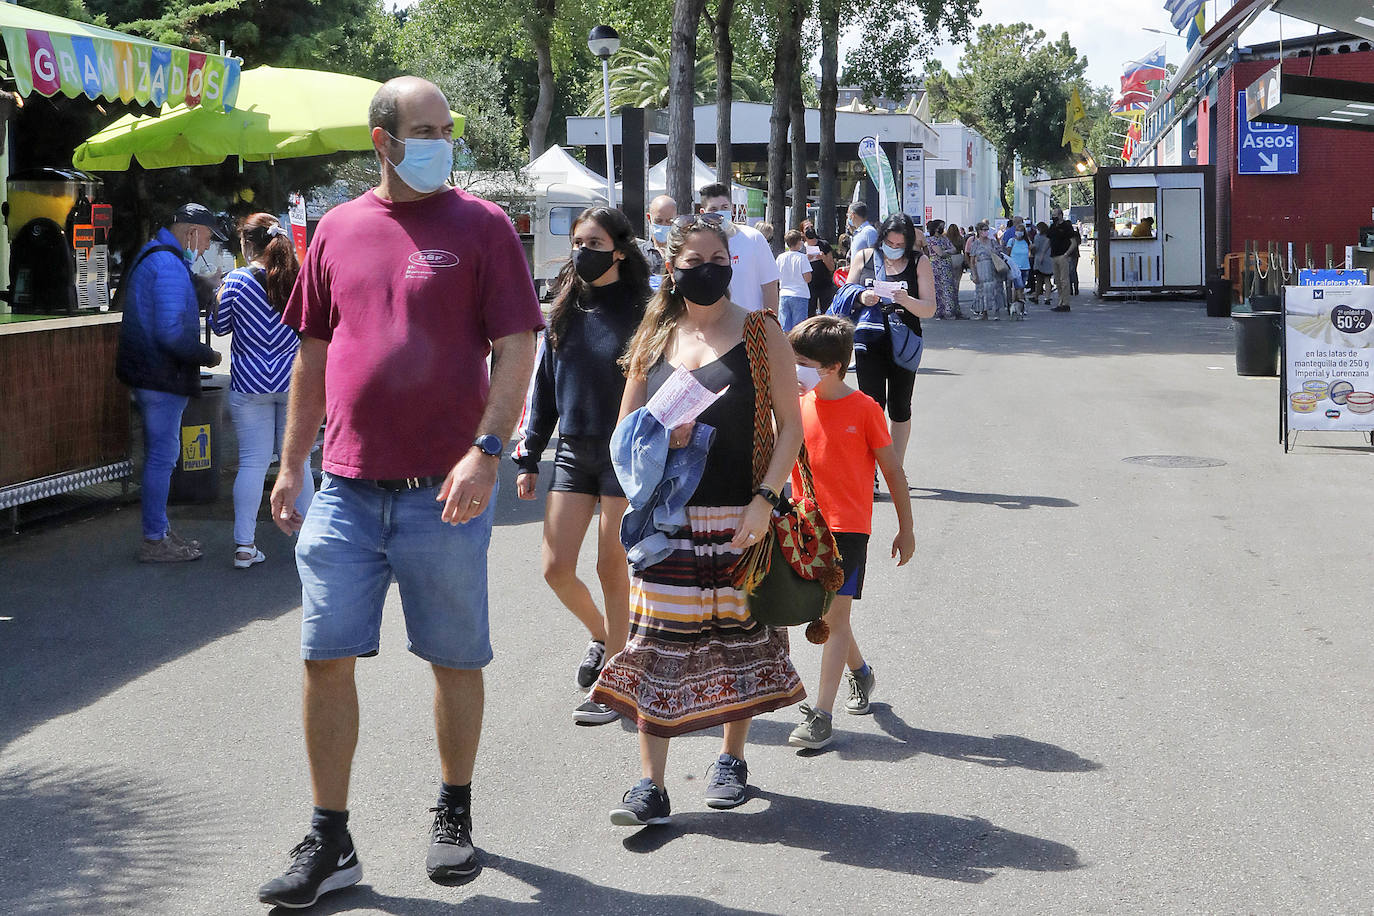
(704, 284)
(591, 265)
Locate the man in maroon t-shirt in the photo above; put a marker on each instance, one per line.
(403, 295)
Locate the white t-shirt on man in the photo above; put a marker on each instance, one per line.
(753, 265)
(792, 266)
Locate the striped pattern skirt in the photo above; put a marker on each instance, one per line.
(695, 658)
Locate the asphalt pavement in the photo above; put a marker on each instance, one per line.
(1104, 686)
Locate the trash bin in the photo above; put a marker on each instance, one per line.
(1257, 342)
(195, 479)
(1266, 304)
(1218, 297)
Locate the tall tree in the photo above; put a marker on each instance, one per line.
(1012, 86)
(827, 170)
(801, 186)
(790, 16)
(896, 35)
(538, 18)
(682, 128)
(725, 79)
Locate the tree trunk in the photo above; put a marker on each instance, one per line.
(538, 29)
(682, 128)
(801, 185)
(1004, 169)
(828, 164)
(785, 62)
(725, 90)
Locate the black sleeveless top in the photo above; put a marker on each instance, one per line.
(868, 272)
(728, 477)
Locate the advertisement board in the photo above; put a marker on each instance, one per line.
(913, 184)
(1333, 277)
(1328, 346)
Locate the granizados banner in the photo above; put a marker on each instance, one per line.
(1328, 346)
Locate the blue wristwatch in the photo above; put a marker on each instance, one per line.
(489, 444)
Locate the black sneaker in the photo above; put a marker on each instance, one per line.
(728, 782)
(317, 867)
(591, 664)
(644, 804)
(451, 855)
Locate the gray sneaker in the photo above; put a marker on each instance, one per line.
(728, 782)
(450, 855)
(860, 689)
(815, 732)
(594, 713)
(166, 551)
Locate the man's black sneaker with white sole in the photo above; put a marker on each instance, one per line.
(451, 855)
(318, 866)
(644, 804)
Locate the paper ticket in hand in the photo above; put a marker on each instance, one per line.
(885, 288)
(681, 399)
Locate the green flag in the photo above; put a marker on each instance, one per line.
(880, 173)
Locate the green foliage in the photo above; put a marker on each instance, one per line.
(896, 36)
(640, 80)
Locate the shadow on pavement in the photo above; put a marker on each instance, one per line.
(87, 618)
(1001, 500)
(968, 849)
(901, 742)
(554, 892)
(84, 618)
(83, 841)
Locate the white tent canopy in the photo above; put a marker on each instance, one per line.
(555, 166)
(702, 174)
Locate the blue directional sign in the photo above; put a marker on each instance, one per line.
(1265, 149)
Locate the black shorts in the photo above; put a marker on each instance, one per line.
(584, 466)
(854, 560)
(884, 381)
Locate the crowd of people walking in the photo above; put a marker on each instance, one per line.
(383, 344)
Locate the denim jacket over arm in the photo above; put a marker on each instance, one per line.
(658, 482)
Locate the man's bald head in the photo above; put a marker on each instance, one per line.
(395, 100)
(662, 209)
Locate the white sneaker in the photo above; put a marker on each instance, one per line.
(245, 557)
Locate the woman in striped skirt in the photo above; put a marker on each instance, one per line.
(695, 658)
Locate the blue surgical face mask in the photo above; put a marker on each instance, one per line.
(427, 163)
(660, 233)
(1020, 234)
(893, 254)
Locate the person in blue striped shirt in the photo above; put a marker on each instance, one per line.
(261, 355)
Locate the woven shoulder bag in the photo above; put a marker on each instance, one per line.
(791, 575)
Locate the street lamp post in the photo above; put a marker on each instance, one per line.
(603, 42)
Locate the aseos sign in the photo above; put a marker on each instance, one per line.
(1264, 149)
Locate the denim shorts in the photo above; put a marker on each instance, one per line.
(357, 538)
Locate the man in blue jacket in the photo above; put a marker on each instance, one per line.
(160, 355)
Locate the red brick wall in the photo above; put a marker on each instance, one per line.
(1330, 197)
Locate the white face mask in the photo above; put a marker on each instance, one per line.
(808, 378)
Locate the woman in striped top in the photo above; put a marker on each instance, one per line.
(262, 353)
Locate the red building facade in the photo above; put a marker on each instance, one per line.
(1332, 195)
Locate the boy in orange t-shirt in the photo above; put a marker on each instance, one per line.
(846, 435)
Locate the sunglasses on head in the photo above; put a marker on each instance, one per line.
(692, 220)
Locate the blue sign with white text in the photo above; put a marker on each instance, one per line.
(1264, 149)
(1333, 277)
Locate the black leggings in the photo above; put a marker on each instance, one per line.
(885, 382)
